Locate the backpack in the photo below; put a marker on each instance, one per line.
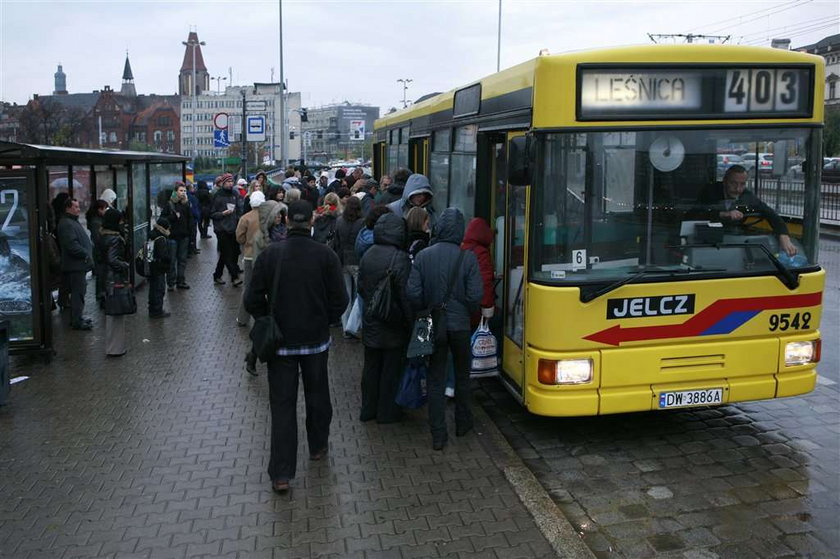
(144, 258)
(381, 304)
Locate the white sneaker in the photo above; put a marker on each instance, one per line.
(449, 392)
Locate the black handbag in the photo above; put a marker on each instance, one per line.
(265, 335)
(381, 304)
(430, 325)
(120, 300)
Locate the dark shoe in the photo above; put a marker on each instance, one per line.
(242, 324)
(319, 455)
(183, 286)
(87, 320)
(280, 485)
(251, 364)
(438, 445)
(237, 282)
(218, 281)
(159, 315)
(82, 326)
(364, 417)
(170, 288)
(461, 431)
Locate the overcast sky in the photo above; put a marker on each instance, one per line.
(353, 50)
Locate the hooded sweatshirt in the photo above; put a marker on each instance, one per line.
(416, 184)
(434, 269)
(478, 239)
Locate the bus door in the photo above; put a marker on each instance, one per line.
(378, 160)
(419, 155)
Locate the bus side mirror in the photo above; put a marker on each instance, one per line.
(519, 169)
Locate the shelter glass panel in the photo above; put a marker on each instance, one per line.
(140, 201)
(16, 251)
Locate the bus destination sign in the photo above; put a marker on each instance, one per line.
(659, 93)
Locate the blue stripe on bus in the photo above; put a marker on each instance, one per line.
(730, 323)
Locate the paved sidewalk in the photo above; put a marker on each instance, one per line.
(162, 453)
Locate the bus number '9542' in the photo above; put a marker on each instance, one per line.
(790, 321)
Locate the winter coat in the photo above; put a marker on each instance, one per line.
(323, 227)
(267, 212)
(112, 253)
(195, 207)
(416, 183)
(364, 240)
(310, 194)
(75, 245)
(311, 294)
(346, 233)
(162, 257)
(94, 225)
(430, 275)
(478, 239)
(392, 194)
(387, 251)
(417, 241)
(225, 223)
(246, 230)
(205, 199)
(178, 214)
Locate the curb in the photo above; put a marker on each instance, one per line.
(551, 521)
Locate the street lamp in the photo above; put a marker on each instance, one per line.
(219, 80)
(193, 44)
(405, 82)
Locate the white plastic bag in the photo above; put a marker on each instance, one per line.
(484, 350)
(353, 327)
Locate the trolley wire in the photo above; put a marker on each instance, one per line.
(831, 23)
(729, 20)
(790, 28)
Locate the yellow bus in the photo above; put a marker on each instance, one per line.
(621, 286)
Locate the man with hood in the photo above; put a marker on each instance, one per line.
(417, 193)
(291, 181)
(433, 271)
(161, 261)
(394, 191)
(226, 209)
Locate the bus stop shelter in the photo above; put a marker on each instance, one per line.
(31, 176)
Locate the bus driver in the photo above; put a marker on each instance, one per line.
(726, 197)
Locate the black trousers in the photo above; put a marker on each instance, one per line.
(227, 255)
(76, 285)
(458, 342)
(381, 377)
(204, 223)
(157, 290)
(283, 375)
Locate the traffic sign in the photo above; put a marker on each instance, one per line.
(255, 105)
(256, 128)
(220, 139)
(220, 121)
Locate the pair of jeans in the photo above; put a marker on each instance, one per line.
(157, 290)
(76, 285)
(381, 376)
(178, 249)
(227, 246)
(458, 344)
(283, 374)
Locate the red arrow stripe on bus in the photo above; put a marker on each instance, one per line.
(703, 320)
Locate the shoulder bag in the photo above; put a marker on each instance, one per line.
(265, 335)
(381, 304)
(119, 299)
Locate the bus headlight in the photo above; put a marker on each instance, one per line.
(801, 353)
(565, 371)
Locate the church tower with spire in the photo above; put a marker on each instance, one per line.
(193, 57)
(60, 82)
(128, 80)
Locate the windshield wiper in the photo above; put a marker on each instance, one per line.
(788, 278)
(586, 296)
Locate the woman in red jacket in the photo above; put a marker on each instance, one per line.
(478, 238)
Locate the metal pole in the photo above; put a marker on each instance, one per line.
(283, 133)
(194, 107)
(499, 40)
(244, 155)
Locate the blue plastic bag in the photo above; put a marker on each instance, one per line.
(484, 351)
(412, 393)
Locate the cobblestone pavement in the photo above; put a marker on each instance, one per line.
(162, 453)
(759, 479)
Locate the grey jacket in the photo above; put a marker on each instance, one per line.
(433, 267)
(75, 245)
(416, 184)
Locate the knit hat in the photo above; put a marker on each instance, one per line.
(111, 219)
(242, 182)
(257, 199)
(108, 196)
(300, 211)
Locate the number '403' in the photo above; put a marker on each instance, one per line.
(790, 321)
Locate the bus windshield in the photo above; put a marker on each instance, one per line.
(608, 205)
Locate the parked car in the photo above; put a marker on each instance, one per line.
(831, 171)
(763, 162)
(727, 160)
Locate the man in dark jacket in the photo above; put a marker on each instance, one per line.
(205, 201)
(76, 260)
(417, 192)
(225, 211)
(385, 342)
(368, 188)
(177, 212)
(160, 265)
(394, 191)
(434, 270)
(312, 297)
